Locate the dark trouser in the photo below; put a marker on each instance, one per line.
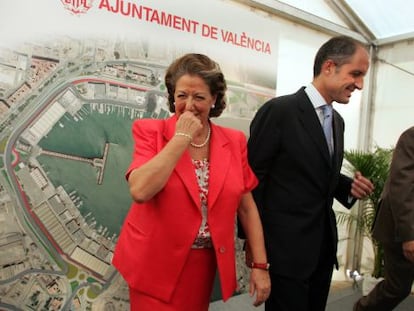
(311, 294)
(399, 277)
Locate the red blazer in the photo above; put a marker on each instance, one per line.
(156, 237)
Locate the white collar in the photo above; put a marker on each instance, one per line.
(314, 96)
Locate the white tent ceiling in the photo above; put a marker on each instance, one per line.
(379, 22)
(387, 20)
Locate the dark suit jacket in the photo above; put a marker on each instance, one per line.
(298, 181)
(395, 219)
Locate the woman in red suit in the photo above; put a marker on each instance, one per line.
(189, 178)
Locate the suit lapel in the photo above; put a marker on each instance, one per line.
(220, 157)
(312, 125)
(184, 168)
(338, 139)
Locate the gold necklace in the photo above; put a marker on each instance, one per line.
(205, 142)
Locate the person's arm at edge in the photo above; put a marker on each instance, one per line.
(401, 191)
(250, 221)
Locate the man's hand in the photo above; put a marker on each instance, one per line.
(408, 250)
(361, 187)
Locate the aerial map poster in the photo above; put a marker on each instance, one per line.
(74, 75)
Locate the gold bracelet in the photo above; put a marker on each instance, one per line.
(185, 135)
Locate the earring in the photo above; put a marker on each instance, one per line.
(213, 106)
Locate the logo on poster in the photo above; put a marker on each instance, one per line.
(77, 6)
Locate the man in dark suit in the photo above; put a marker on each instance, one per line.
(394, 228)
(299, 177)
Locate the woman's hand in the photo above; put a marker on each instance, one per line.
(259, 284)
(254, 248)
(189, 124)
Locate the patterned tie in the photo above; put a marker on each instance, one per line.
(327, 125)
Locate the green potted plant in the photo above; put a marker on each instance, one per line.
(374, 165)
